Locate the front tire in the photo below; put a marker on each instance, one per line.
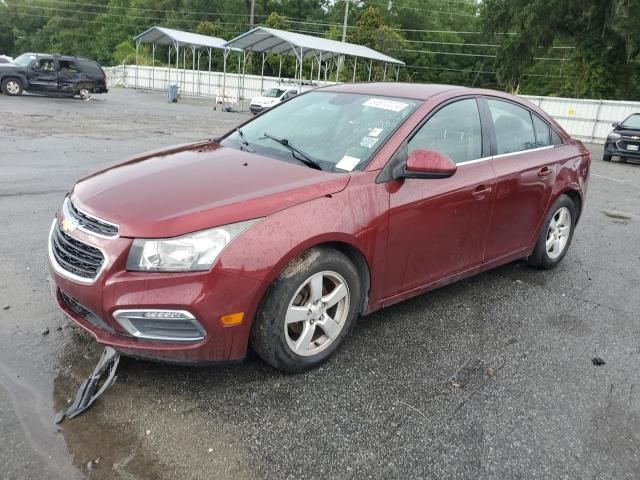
(12, 87)
(308, 311)
(556, 234)
(606, 158)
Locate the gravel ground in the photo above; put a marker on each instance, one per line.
(487, 378)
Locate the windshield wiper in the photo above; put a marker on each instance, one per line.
(296, 152)
(242, 140)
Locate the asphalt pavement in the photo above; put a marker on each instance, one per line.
(491, 377)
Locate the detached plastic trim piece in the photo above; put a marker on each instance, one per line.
(90, 390)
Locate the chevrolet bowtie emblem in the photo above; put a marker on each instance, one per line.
(69, 225)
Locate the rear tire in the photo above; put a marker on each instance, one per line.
(606, 158)
(308, 311)
(556, 235)
(12, 87)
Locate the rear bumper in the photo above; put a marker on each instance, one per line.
(207, 296)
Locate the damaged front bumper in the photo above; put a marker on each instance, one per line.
(170, 317)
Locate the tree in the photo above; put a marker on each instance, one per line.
(606, 46)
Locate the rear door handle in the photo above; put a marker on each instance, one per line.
(481, 192)
(545, 172)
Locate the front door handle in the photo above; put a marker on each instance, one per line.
(481, 192)
(544, 172)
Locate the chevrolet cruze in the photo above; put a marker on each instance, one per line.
(332, 205)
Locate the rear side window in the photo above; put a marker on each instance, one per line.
(513, 126)
(90, 67)
(68, 66)
(454, 130)
(543, 132)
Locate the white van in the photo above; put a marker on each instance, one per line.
(274, 96)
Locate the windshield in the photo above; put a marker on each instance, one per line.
(338, 131)
(274, 93)
(24, 60)
(632, 122)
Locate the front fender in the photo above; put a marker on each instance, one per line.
(356, 216)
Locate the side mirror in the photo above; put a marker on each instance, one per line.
(615, 124)
(428, 164)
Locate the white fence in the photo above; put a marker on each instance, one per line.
(238, 88)
(587, 120)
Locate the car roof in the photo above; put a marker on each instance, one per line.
(57, 55)
(415, 91)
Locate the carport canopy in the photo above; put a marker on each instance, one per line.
(178, 38)
(280, 42)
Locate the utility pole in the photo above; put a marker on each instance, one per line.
(253, 11)
(346, 17)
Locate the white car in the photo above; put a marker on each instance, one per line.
(272, 97)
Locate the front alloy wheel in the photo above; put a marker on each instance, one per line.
(11, 87)
(317, 313)
(308, 310)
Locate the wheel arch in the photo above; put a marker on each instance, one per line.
(576, 197)
(343, 245)
(14, 76)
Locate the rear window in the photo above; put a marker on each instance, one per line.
(543, 134)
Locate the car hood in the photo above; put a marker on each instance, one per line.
(628, 132)
(10, 66)
(264, 101)
(189, 188)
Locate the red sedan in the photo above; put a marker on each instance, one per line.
(332, 205)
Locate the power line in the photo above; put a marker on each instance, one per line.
(184, 12)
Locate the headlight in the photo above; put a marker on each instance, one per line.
(614, 135)
(194, 252)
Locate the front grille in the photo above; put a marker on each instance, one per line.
(90, 223)
(82, 311)
(74, 256)
(624, 145)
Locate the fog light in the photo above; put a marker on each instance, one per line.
(161, 325)
(232, 319)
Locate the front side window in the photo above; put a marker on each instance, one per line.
(338, 131)
(454, 131)
(513, 126)
(45, 65)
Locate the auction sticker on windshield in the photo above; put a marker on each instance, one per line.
(385, 104)
(347, 163)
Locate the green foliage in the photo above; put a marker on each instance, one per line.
(507, 44)
(603, 34)
(276, 21)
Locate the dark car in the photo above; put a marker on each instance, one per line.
(52, 75)
(336, 203)
(624, 139)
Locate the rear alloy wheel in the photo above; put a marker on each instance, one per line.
(556, 234)
(12, 87)
(307, 311)
(85, 94)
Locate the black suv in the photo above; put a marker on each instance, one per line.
(624, 139)
(53, 75)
